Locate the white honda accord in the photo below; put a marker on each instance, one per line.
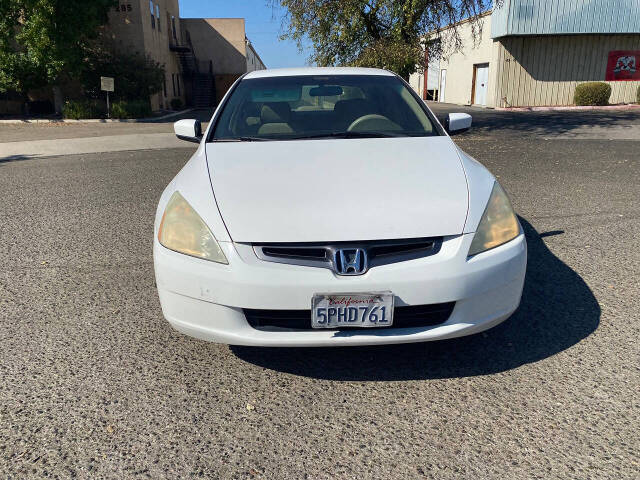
(327, 207)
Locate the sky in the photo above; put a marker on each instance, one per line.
(263, 26)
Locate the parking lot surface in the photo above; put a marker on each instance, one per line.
(95, 384)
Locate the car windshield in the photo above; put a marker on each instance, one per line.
(334, 106)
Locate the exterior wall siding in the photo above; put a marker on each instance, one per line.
(549, 57)
(544, 70)
(223, 43)
(557, 17)
(460, 65)
(131, 31)
(156, 42)
(220, 41)
(124, 29)
(416, 80)
(254, 62)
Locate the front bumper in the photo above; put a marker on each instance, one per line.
(205, 299)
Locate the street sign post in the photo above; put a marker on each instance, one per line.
(107, 85)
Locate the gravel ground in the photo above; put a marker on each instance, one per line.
(95, 384)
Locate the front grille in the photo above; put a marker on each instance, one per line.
(382, 252)
(378, 251)
(296, 252)
(403, 317)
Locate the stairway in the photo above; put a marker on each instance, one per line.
(188, 63)
(203, 90)
(202, 93)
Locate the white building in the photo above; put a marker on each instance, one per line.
(535, 52)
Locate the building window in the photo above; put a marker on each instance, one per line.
(164, 85)
(178, 82)
(173, 81)
(153, 18)
(173, 27)
(158, 17)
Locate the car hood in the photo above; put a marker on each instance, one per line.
(335, 190)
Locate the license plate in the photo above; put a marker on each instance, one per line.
(352, 310)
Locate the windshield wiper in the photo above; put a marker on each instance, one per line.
(318, 135)
(350, 135)
(242, 139)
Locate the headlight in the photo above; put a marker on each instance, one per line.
(182, 230)
(498, 224)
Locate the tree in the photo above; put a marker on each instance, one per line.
(137, 76)
(378, 33)
(40, 39)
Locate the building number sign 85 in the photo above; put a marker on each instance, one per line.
(123, 8)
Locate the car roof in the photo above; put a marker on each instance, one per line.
(291, 72)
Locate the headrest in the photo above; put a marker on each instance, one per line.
(250, 109)
(354, 107)
(275, 112)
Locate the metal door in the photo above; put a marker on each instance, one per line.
(482, 84)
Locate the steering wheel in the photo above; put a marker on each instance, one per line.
(373, 123)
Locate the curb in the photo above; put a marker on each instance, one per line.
(630, 106)
(99, 120)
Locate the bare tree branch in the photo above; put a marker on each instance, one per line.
(379, 33)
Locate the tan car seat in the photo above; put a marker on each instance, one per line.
(275, 117)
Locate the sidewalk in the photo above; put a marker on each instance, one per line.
(73, 146)
(21, 121)
(571, 108)
(19, 132)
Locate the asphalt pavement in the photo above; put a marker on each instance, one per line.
(94, 383)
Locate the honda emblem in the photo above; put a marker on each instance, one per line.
(350, 261)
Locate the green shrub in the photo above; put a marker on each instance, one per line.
(133, 109)
(638, 95)
(82, 109)
(176, 104)
(592, 93)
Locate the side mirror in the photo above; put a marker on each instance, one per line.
(457, 123)
(189, 130)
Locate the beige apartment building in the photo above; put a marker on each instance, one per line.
(222, 46)
(151, 27)
(202, 56)
(535, 52)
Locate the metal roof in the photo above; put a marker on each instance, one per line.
(559, 17)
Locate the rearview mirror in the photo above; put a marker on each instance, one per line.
(457, 123)
(326, 91)
(189, 130)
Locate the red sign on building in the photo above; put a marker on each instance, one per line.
(623, 65)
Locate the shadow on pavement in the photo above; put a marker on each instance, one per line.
(558, 310)
(550, 123)
(15, 158)
(204, 115)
